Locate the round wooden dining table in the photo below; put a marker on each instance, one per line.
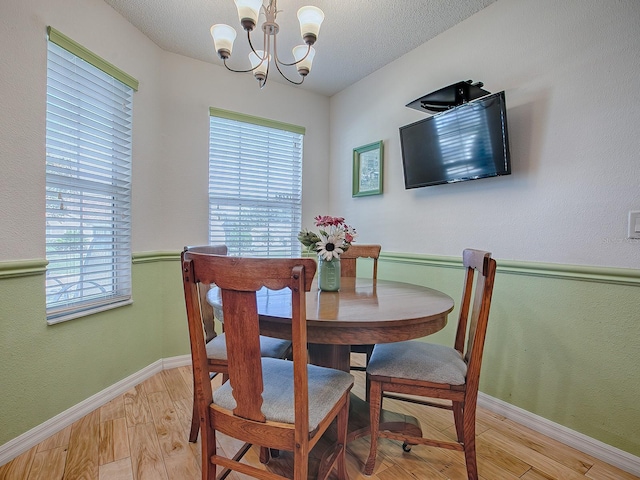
(364, 311)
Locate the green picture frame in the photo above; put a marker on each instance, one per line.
(368, 162)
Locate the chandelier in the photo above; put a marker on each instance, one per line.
(310, 19)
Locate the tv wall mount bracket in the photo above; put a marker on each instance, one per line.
(449, 97)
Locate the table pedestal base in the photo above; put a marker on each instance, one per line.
(331, 356)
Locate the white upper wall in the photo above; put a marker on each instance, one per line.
(170, 125)
(192, 87)
(570, 71)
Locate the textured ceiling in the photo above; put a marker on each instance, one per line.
(356, 38)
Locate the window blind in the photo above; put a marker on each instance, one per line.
(255, 187)
(88, 187)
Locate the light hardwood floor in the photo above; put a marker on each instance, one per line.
(143, 435)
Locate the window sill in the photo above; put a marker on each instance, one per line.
(90, 311)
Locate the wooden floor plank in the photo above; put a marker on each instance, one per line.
(176, 386)
(83, 452)
(487, 470)
(60, 439)
(18, 468)
(114, 442)
(118, 470)
(169, 429)
(183, 467)
(146, 459)
(534, 474)
(155, 383)
(184, 409)
(185, 373)
(136, 407)
(49, 464)
(490, 453)
(113, 409)
(539, 461)
(603, 471)
(574, 459)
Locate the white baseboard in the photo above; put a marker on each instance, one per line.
(175, 362)
(608, 454)
(595, 448)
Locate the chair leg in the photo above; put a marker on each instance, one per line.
(458, 417)
(367, 381)
(265, 455)
(208, 441)
(367, 391)
(470, 443)
(375, 406)
(343, 424)
(300, 464)
(195, 422)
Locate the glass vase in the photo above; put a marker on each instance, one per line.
(329, 274)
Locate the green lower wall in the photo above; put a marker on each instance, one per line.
(46, 369)
(562, 341)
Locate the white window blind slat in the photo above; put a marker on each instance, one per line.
(88, 187)
(255, 188)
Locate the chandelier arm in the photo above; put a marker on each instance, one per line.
(287, 78)
(275, 54)
(238, 71)
(264, 42)
(267, 47)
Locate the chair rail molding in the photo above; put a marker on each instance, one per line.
(23, 268)
(585, 273)
(155, 256)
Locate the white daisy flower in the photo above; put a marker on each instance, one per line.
(328, 246)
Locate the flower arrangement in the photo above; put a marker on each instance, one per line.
(333, 238)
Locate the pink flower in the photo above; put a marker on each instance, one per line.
(334, 232)
(328, 221)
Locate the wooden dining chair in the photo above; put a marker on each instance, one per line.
(216, 343)
(437, 371)
(275, 403)
(348, 269)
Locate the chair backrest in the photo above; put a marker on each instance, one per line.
(472, 322)
(208, 317)
(238, 280)
(348, 259)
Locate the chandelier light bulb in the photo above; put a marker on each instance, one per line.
(248, 11)
(260, 64)
(310, 19)
(304, 66)
(223, 38)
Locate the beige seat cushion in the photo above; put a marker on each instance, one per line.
(269, 347)
(326, 386)
(418, 361)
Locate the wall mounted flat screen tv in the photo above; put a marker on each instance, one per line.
(466, 142)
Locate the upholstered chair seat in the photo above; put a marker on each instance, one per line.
(269, 347)
(416, 360)
(326, 386)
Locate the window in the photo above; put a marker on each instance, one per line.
(88, 182)
(255, 185)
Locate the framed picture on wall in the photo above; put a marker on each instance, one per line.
(367, 169)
